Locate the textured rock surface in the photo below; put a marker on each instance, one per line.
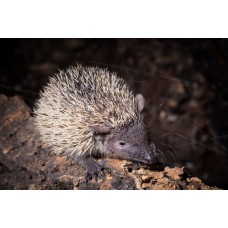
(27, 164)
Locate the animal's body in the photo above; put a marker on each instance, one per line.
(85, 110)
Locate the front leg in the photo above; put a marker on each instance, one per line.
(93, 167)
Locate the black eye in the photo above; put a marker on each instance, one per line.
(122, 143)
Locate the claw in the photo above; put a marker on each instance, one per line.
(105, 166)
(96, 169)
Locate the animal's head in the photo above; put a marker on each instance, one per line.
(130, 142)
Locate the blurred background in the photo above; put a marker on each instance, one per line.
(184, 82)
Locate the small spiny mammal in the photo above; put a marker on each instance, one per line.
(85, 110)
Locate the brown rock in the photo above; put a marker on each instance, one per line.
(25, 163)
(174, 173)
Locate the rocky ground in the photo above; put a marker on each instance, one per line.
(26, 164)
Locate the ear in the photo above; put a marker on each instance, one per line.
(100, 132)
(140, 101)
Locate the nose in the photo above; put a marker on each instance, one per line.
(147, 156)
(153, 148)
(152, 155)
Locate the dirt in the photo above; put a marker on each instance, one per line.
(25, 163)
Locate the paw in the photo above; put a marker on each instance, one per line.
(95, 170)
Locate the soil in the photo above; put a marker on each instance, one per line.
(184, 82)
(25, 163)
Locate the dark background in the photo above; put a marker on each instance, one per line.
(184, 82)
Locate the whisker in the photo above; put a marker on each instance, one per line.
(172, 155)
(158, 108)
(171, 133)
(213, 140)
(194, 142)
(170, 151)
(186, 144)
(138, 71)
(161, 152)
(174, 151)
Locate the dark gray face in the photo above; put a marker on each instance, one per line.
(129, 143)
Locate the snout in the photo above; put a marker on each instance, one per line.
(148, 155)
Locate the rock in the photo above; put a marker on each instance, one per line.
(25, 163)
